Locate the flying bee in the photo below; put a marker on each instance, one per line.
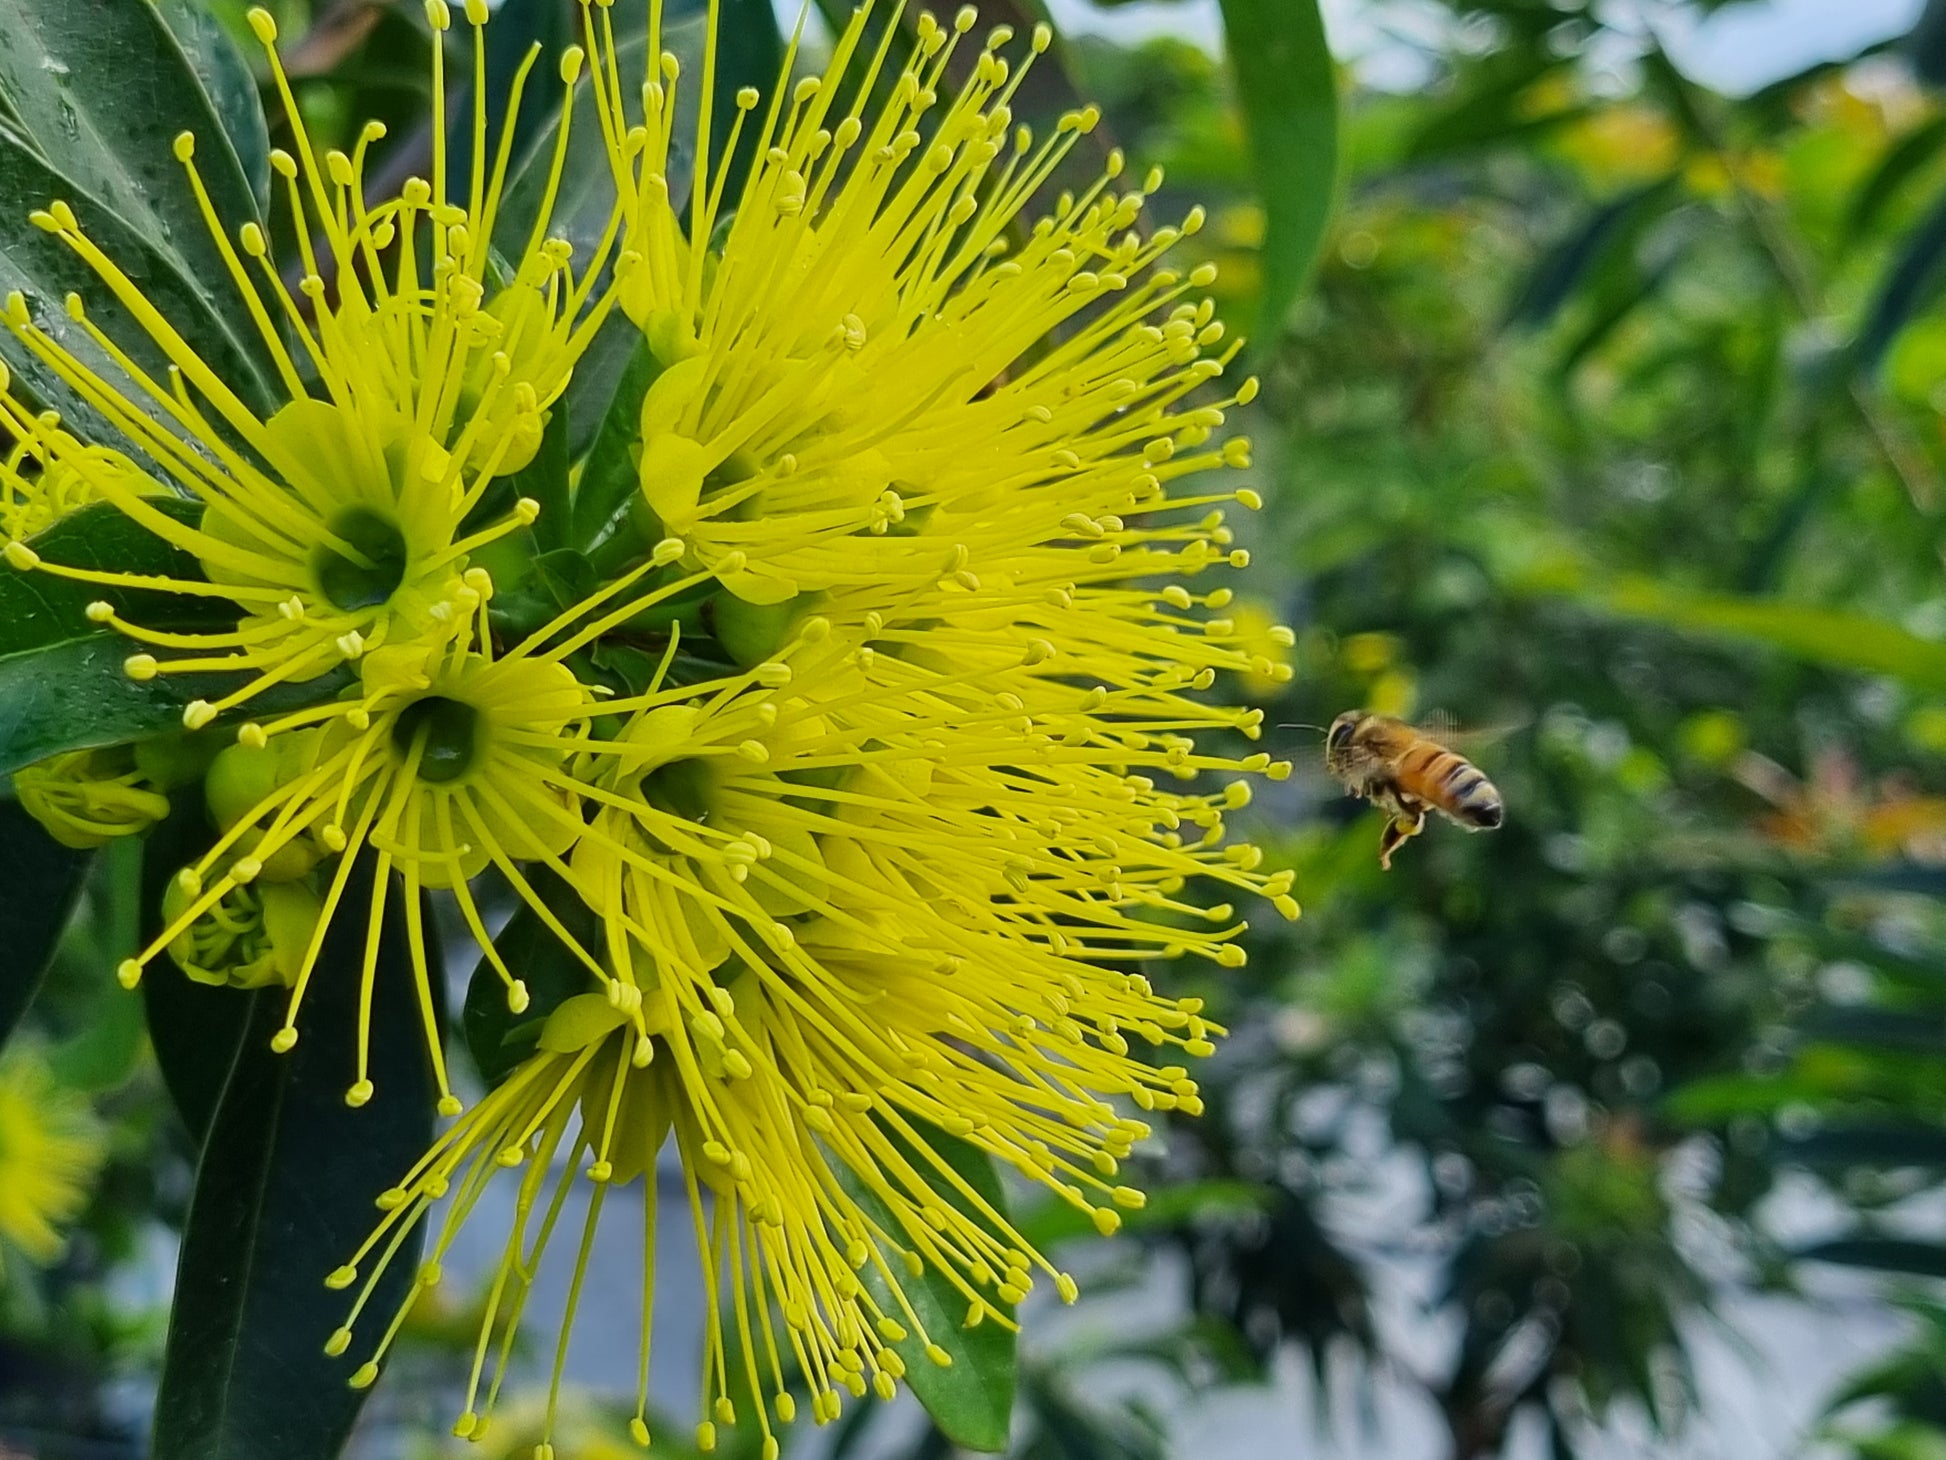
(1407, 773)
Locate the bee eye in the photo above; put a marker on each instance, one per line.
(1340, 735)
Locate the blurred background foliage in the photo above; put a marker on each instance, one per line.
(1610, 422)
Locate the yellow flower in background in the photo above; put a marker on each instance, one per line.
(50, 1151)
(414, 378)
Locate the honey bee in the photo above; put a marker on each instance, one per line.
(1407, 773)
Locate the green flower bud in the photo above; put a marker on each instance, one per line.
(87, 798)
(254, 936)
(240, 780)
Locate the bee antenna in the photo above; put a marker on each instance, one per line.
(1299, 725)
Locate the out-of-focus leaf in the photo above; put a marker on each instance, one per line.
(39, 882)
(1561, 270)
(1926, 44)
(285, 1194)
(1881, 1254)
(1289, 93)
(1832, 637)
(1905, 158)
(1858, 1143)
(1907, 288)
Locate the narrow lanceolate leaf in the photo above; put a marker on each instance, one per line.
(1882, 1254)
(103, 88)
(1909, 286)
(62, 682)
(1289, 95)
(971, 1400)
(39, 881)
(611, 476)
(284, 1195)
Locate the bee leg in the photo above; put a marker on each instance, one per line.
(1397, 832)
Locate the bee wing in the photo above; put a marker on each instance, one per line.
(1442, 727)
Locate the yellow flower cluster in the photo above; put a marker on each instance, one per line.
(915, 767)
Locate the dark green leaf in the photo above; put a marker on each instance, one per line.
(1289, 93)
(39, 881)
(498, 1038)
(285, 1194)
(972, 1400)
(610, 476)
(1563, 267)
(231, 88)
(195, 1029)
(45, 271)
(545, 479)
(62, 686)
(114, 140)
(1882, 1254)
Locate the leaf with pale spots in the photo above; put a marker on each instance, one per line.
(284, 1195)
(62, 681)
(972, 1399)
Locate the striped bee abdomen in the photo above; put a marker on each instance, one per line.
(1452, 784)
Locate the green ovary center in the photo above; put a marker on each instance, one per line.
(370, 573)
(682, 788)
(449, 734)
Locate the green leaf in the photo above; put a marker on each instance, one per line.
(611, 476)
(1598, 237)
(45, 271)
(1170, 1206)
(499, 1039)
(103, 90)
(39, 882)
(1289, 94)
(971, 1401)
(62, 685)
(1902, 161)
(230, 86)
(1910, 284)
(545, 479)
(1833, 637)
(285, 1194)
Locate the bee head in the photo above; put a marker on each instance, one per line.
(1340, 733)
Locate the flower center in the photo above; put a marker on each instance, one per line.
(449, 736)
(681, 788)
(372, 572)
